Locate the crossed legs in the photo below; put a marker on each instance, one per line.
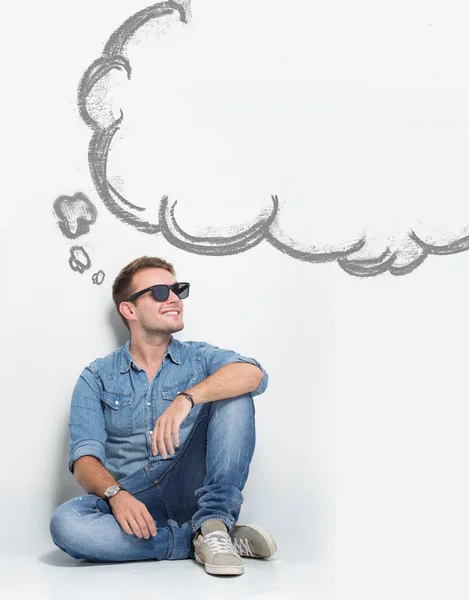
(202, 482)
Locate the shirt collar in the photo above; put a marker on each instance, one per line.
(126, 357)
(172, 351)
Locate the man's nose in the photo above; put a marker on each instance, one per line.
(173, 297)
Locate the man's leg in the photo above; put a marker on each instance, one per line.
(231, 438)
(204, 482)
(205, 479)
(84, 527)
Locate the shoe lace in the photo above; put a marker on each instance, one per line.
(219, 542)
(242, 547)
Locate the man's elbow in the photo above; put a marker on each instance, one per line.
(259, 376)
(260, 379)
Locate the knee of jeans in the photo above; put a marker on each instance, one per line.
(239, 409)
(64, 523)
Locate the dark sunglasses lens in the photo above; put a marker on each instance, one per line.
(181, 290)
(160, 292)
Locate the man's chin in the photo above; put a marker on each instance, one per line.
(177, 328)
(170, 329)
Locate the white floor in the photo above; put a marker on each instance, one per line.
(47, 573)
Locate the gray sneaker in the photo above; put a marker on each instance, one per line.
(252, 541)
(217, 553)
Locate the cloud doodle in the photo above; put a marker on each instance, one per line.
(75, 214)
(98, 278)
(220, 150)
(79, 260)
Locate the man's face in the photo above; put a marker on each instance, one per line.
(155, 317)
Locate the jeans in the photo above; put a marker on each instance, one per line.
(203, 481)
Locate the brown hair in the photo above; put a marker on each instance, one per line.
(122, 286)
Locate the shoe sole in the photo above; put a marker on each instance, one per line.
(219, 569)
(267, 537)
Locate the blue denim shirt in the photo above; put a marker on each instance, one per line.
(114, 406)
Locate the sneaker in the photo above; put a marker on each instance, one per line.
(217, 553)
(253, 541)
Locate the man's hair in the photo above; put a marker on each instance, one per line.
(122, 286)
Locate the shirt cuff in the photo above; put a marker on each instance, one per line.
(87, 448)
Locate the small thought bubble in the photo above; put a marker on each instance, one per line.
(79, 260)
(75, 213)
(98, 278)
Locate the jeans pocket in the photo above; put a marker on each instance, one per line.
(118, 413)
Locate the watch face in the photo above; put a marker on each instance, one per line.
(111, 491)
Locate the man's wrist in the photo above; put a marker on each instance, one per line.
(111, 501)
(112, 491)
(188, 397)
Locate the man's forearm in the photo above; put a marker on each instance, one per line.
(92, 476)
(229, 381)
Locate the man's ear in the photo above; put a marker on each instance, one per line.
(126, 310)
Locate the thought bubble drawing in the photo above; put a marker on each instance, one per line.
(75, 213)
(98, 278)
(79, 260)
(307, 126)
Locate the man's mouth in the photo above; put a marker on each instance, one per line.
(171, 313)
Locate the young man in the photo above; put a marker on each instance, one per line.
(161, 435)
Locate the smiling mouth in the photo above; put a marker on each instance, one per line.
(171, 313)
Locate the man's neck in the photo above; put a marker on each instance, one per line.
(148, 352)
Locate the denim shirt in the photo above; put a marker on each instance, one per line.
(115, 406)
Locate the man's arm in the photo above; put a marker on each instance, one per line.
(87, 451)
(240, 376)
(92, 476)
(229, 381)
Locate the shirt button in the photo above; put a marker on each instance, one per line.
(148, 403)
(151, 431)
(116, 402)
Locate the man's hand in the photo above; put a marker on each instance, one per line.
(132, 515)
(166, 429)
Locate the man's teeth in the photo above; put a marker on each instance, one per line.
(171, 312)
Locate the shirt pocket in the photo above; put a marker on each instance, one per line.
(169, 392)
(118, 413)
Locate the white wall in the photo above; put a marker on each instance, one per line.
(362, 441)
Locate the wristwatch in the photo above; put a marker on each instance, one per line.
(111, 491)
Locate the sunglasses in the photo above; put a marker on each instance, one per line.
(161, 291)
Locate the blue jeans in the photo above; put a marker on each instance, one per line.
(203, 481)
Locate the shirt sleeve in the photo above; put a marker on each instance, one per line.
(87, 429)
(215, 358)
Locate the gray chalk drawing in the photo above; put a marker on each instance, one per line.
(79, 260)
(357, 257)
(98, 278)
(75, 214)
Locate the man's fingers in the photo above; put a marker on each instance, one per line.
(167, 437)
(141, 522)
(126, 527)
(164, 437)
(175, 434)
(137, 521)
(160, 440)
(154, 447)
(149, 521)
(134, 526)
(161, 446)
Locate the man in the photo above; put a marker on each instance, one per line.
(161, 435)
